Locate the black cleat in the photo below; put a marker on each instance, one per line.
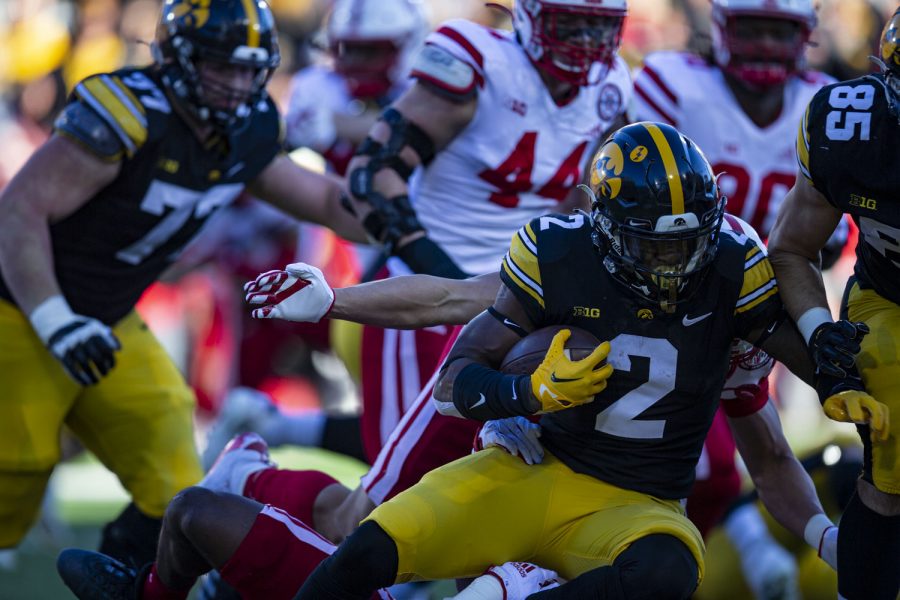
(94, 576)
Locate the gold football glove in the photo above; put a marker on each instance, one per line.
(560, 383)
(853, 406)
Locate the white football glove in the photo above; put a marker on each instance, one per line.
(84, 346)
(516, 435)
(298, 293)
(510, 581)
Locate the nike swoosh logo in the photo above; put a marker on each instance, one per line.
(556, 379)
(481, 401)
(687, 321)
(772, 327)
(515, 397)
(510, 323)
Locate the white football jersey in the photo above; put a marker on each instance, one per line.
(520, 154)
(758, 166)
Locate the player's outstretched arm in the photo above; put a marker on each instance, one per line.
(783, 485)
(301, 293)
(307, 196)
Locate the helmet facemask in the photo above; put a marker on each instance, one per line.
(573, 43)
(890, 61)
(366, 65)
(664, 264)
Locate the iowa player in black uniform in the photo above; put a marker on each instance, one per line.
(139, 160)
(850, 161)
(651, 272)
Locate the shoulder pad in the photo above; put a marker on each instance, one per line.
(118, 107)
(520, 265)
(741, 231)
(465, 40)
(82, 124)
(438, 68)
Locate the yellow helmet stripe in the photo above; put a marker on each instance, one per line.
(668, 158)
(252, 23)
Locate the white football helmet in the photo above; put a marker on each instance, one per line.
(374, 41)
(758, 65)
(567, 38)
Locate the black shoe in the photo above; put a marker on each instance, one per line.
(94, 576)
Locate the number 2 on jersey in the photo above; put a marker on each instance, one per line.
(619, 418)
(513, 176)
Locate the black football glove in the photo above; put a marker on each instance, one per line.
(86, 349)
(834, 346)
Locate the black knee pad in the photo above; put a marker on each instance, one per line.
(868, 554)
(363, 563)
(657, 567)
(131, 537)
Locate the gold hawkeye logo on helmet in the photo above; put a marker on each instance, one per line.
(195, 12)
(609, 162)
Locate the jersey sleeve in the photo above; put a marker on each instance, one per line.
(521, 271)
(758, 305)
(810, 158)
(114, 113)
(462, 40)
(655, 97)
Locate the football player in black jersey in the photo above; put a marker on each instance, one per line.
(850, 161)
(140, 158)
(623, 428)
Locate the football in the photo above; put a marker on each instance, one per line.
(527, 354)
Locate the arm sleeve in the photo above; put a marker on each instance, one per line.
(521, 272)
(758, 306)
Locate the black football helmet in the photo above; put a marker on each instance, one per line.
(237, 32)
(656, 211)
(890, 57)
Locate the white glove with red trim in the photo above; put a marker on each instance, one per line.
(298, 293)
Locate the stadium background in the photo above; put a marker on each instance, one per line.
(46, 46)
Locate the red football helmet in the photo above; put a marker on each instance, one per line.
(373, 42)
(573, 40)
(761, 42)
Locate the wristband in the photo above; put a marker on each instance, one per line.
(815, 530)
(50, 315)
(482, 394)
(811, 319)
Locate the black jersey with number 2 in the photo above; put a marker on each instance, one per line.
(645, 431)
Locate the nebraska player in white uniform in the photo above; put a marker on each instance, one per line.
(372, 44)
(743, 109)
(497, 127)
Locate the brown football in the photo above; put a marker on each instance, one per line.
(529, 352)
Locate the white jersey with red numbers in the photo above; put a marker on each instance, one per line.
(758, 164)
(520, 154)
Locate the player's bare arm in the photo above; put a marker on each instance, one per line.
(804, 223)
(485, 341)
(300, 292)
(58, 179)
(307, 196)
(783, 485)
(785, 345)
(415, 301)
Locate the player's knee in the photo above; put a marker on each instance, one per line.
(657, 567)
(368, 558)
(187, 511)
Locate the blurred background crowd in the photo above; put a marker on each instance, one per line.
(47, 46)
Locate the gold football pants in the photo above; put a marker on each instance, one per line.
(490, 507)
(138, 421)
